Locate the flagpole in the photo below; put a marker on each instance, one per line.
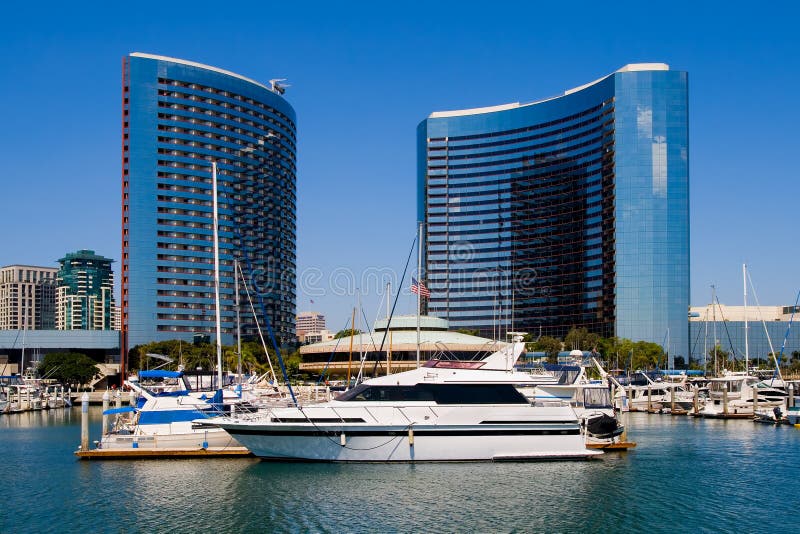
(419, 284)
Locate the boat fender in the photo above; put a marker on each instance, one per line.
(342, 439)
(410, 437)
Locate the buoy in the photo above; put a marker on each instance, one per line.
(410, 437)
(342, 439)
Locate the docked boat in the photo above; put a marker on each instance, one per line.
(655, 396)
(163, 419)
(738, 395)
(443, 411)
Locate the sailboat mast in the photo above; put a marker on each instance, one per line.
(714, 314)
(419, 285)
(216, 272)
(350, 356)
(236, 272)
(746, 345)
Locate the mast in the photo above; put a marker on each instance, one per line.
(746, 346)
(705, 346)
(419, 285)
(236, 272)
(216, 272)
(714, 314)
(388, 312)
(350, 356)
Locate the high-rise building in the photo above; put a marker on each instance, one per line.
(85, 292)
(309, 322)
(568, 212)
(27, 297)
(179, 117)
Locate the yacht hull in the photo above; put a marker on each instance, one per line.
(424, 444)
(201, 439)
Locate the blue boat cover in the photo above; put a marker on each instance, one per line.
(158, 373)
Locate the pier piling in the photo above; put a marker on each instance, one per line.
(790, 399)
(696, 400)
(118, 399)
(725, 401)
(755, 401)
(85, 421)
(106, 398)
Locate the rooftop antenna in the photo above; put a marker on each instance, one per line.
(277, 86)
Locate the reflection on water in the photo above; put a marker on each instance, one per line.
(685, 474)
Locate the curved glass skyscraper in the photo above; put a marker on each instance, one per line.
(568, 212)
(178, 117)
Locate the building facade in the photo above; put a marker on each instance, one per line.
(85, 292)
(568, 212)
(178, 118)
(768, 331)
(27, 297)
(308, 323)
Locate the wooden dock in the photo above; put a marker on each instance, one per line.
(617, 446)
(154, 453)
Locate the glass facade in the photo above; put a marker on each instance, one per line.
(569, 212)
(762, 339)
(85, 292)
(178, 117)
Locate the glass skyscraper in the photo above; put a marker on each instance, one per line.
(177, 118)
(567, 212)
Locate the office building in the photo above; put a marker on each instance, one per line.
(768, 330)
(309, 322)
(567, 212)
(27, 297)
(178, 118)
(85, 292)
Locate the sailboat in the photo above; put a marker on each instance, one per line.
(164, 420)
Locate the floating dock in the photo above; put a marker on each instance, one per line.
(136, 454)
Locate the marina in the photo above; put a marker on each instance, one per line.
(700, 465)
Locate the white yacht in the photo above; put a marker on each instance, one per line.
(444, 411)
(654, 396)
(739, 389)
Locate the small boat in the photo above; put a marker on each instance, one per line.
(443, 411)
(163, 419)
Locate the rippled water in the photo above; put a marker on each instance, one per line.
(686, 474)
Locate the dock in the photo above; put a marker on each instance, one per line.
(154, 453)
(617, 446)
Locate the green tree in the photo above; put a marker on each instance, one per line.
(550, 346)
(70, 368)
(468, 331)
(646, 355)
(581, 339)
(346, 333)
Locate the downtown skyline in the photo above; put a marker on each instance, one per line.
(360, 88)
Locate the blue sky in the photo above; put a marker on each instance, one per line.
(362, 76)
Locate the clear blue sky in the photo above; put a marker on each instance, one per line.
(363, 76)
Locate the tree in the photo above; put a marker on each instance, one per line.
(468, 331)
(581, 339)
(550, 346)
(346, 333)
(69, 368)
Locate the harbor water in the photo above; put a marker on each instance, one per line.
(686, 474)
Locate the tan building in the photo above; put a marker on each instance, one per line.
(309, 323)
(396, 349)
(27, 297)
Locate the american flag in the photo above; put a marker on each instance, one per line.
(419, 288)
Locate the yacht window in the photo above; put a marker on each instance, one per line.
(439, 393)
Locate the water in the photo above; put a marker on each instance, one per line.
(703, 475)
